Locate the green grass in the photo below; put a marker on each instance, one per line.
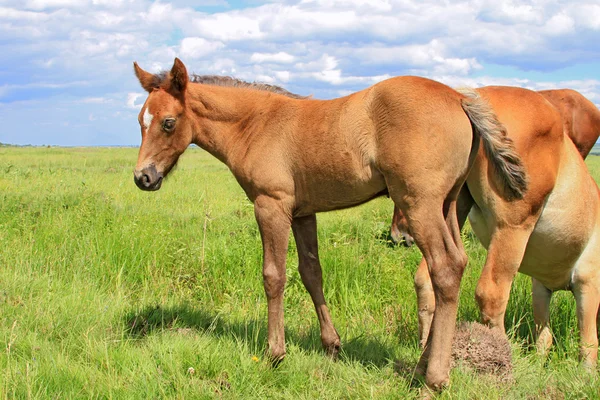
(110, 292)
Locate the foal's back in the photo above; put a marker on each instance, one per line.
(357, 147)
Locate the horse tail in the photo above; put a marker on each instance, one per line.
(498, 147)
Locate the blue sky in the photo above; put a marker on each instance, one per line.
(66, 75)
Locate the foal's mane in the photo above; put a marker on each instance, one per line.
(219, 80)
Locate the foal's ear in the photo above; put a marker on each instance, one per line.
(179, 76)
(146, 79)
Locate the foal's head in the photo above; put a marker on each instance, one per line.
(166, 128)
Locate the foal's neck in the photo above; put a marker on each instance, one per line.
(219, 112)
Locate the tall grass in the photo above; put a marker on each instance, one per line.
(110, 292)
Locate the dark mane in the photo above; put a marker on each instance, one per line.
(234, 82)
(218, 80)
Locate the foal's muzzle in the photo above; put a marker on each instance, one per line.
(148, 178)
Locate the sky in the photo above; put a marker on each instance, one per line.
(66, 74)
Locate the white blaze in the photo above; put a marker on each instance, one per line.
(147, 118)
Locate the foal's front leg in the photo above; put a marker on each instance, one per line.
(274, 223)
(305, 233)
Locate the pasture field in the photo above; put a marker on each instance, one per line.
(110, 292)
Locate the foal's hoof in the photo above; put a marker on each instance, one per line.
(438, 384)
(333, 350)
(275, 358)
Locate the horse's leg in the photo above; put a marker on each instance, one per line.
(505, 254)
(305, 233)
(587, 297)
(541, 297)
(425, 301)
(423, 286)
(274, 224)
(446, 260)
(399, 228)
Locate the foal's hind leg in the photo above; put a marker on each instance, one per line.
(305, 233)
(423, 286)
(541, 297)
(438, 237)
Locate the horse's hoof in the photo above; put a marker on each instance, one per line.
(275, 358)
(437, 383)
(333, 350)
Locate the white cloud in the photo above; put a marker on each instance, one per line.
(85, 48)
(230, 26)
(196, 47)
(95, 100)
(15, 14)
(283, 76)
(43, 4)
(586, 15)
(131, 99)
(279, 58)
(559, 24)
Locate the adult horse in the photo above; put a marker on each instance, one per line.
(294, 158)
(549, 234)
(581, 119)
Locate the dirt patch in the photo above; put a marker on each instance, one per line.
(482, 349)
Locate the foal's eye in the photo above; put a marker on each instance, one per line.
(169, 124)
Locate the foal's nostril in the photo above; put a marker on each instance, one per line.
(148, 178)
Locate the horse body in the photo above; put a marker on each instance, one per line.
(294, 158)
(551, 234)
(581, 117)
(558, 244)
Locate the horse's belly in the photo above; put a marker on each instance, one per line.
(559, 238)
(554, 248)
(328, 194)
(564, 229)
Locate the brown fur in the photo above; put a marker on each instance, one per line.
(581, 119)
(580, 116)
(297, 157)
(536, 235)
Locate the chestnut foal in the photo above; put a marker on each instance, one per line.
(550, 234)
(410, 137)
(581, 120)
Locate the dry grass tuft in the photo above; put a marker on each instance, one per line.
(482, 349)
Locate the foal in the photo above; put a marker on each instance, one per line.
(550, 234)
(294, 158)
(581, 120)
